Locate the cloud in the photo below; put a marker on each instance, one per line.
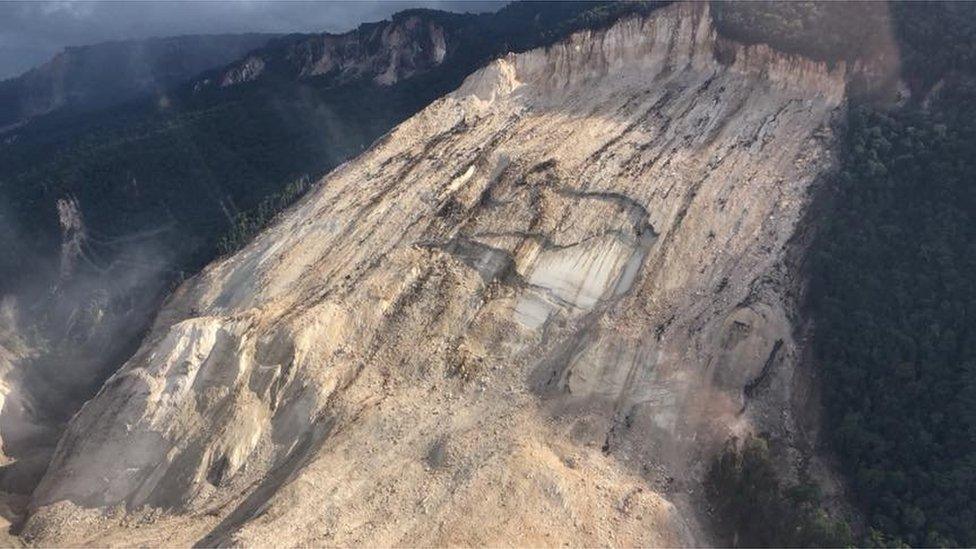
(69, 7)
(32, 32)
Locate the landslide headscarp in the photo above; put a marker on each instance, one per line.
(529, 315)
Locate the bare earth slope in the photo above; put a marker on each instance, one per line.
(529, 315)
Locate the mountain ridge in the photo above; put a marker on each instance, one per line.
(571, 205)
(77, 77)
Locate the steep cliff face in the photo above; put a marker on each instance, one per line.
(385, 52)
(529, 314)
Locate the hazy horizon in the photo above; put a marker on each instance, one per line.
(31, 33)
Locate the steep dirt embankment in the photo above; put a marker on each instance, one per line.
(528, 315)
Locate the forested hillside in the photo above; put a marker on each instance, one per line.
(894, 295)
(109, 73)
(895, 300)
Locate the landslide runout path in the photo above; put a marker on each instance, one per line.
(528, 315)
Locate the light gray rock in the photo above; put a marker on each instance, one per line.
(549, 296)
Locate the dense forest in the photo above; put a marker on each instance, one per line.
(895, 301)
(892, 293)
(894, 296)
(754, 507)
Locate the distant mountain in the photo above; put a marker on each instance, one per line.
(104, 74)
(412, 42)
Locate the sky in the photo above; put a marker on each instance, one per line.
(31, 32)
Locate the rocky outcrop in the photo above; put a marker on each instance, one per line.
(386, 52)
(529, 314)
